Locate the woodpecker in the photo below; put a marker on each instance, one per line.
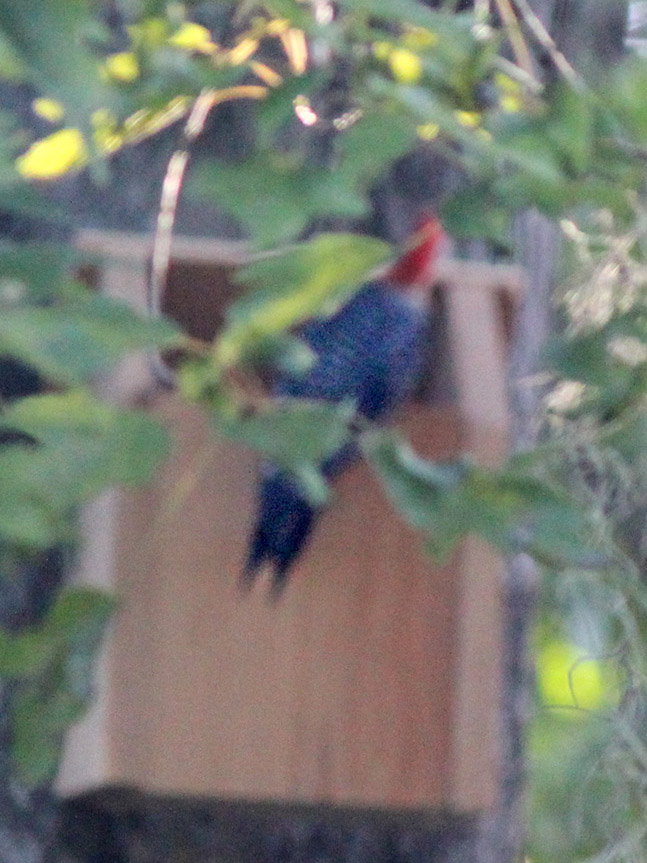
(369, 352)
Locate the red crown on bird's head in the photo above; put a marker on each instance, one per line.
(414, 268)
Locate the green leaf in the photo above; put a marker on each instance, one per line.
(79, 614)
(82, 447)
(257, 189)
(291, 183)
(628, 436)
(622, 96)
(48, 37)
(11, 67)
(21, 655)
(278, 352)
(475, 212)
(38, 266)
(295, 435)
(614, 382)
(581, 358)
(38, 726)
(371, 144)
(53, 689)
(427, 494)
(512, 511)
(293, 10)
(570, 127)
(80, 336)
(31, 512)
(409, 12)
(533, 516)
(112, 444)
(309, 280)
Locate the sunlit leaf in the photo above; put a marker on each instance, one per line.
(54, 155)
(48, 109)
(405, 66)
(569, 677)
(123, 67)
(311, 279)
(192, 37)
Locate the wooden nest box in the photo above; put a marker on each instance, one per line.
(375, 680)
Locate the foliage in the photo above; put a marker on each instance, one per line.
(335, 98)
(62, 447)
(592, 755)
(49, 670)
(65, 447)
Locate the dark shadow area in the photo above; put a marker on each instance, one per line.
(123, 825)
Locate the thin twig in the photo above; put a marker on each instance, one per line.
(519, 46)
(512, 70)
(171, 187)
(481, 9)
(544, 38)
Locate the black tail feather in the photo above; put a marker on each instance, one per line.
(284, 523)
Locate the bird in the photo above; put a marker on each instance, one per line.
(369, 352)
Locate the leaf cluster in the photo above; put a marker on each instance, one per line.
(594, 760)
(46, 673)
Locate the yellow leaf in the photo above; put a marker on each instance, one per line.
(511, 98)
(276, 26)
(151, 33)
(48, 109)
(382, 50)
(193, 37)
(52, 156)
(471, 119)
(406, 66)
(107, 138)
(419, 38)
(428, 131)
(569, 677)
(511, 104)
(122, 67)
(507, 84)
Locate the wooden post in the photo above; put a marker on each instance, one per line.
(88, 756)
(478, 348)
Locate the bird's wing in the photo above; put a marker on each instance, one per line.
(368, 353)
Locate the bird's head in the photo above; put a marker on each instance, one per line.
(414, 269)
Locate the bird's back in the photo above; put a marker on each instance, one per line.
(369, 352)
